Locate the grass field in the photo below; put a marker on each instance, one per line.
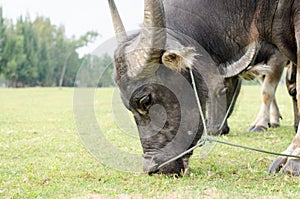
(41, 155)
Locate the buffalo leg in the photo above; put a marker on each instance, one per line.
(275, 115)
(269, 113)
(291, 87)
(292, 165)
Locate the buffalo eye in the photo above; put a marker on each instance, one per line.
(222, 91)
(146, 102)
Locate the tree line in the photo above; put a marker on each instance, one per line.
(38, 53)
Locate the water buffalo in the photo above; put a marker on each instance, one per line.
(269, 114)
(215, 39)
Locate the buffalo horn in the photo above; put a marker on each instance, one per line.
(240, 65)
(144, 54)
(120, 32)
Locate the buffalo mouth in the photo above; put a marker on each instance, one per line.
(178, 167)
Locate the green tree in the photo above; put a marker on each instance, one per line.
(13, 56)
(106, 65)
(59, 53)
(39, 53)
(43, 65)
(28, 71)
(96, 71)
(71, 47)
(73, 64)
(45, 32)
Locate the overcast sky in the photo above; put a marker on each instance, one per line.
(78, 16)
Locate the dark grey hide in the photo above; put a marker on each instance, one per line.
(268, 55)
(217, 39)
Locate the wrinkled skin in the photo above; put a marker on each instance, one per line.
(162, 112)
(229, 34)
(162, 123)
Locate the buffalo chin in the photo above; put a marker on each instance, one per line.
(175, 168)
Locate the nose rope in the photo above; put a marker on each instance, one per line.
(205, 137)
(235, 95)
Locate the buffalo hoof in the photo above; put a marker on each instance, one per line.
(277, 164)
(253, 129)
(274, 125)
(292, 167)
(289, 165)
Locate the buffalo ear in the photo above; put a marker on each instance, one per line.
(179, 60)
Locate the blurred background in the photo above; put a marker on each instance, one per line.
(43, 43)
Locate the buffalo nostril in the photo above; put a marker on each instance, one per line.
(224, 131)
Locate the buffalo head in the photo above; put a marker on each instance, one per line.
(152, 72)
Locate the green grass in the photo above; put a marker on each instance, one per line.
(41, 155)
